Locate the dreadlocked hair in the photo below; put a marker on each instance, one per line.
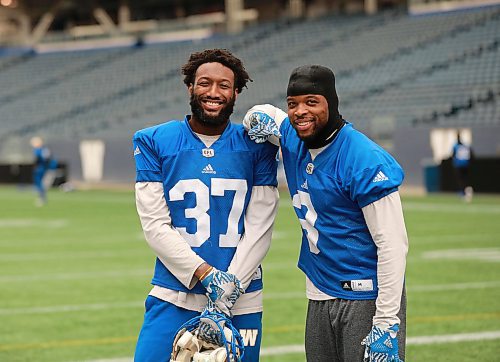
(222, 56)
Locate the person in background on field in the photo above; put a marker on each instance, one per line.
(344, 190)
(461, 158)
(42, 169)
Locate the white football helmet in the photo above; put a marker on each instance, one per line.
(188, 347)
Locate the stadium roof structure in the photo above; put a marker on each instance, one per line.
(80, 11)
(30, 22)
(27, 23)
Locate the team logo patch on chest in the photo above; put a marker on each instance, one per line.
(208, 152)
(310, 168)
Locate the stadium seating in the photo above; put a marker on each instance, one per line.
(391, 69)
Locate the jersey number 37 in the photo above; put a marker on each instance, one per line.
(199, 212)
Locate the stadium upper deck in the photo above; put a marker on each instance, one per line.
(391, 69)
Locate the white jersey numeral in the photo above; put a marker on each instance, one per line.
(300, 199)
(219, 186)
(199, 212)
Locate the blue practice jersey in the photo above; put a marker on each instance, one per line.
(461, 155)
(207, 189)
(43, 160)
(338, 253)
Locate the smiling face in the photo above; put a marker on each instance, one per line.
(308, 114)
(212, 97)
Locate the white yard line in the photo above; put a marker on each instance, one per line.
(455, 286)
(452, 208)
(453, 338)
(451, 238)
(483, 254)
(71, 308)
(411, 341)
(25, 223)
(280, 350)
(76, 276)
(44, 256)
(100, 274)
(270, 296)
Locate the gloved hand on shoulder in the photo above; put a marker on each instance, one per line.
(263, 121)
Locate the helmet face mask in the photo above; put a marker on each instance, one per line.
(189, 347)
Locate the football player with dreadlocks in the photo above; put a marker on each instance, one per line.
(206, 196)
(344, 189)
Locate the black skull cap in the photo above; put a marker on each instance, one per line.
(314, 79)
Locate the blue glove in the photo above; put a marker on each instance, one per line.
(223, 289)
(262, 122)
(215, 328)
(211, 324)
(382, 345)
(262, 126)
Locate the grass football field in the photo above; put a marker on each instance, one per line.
(74, 275)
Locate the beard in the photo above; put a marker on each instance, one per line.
(308, 140)
(323, 135)
(211, 121)
(312, 137)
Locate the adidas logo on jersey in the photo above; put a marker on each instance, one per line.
(380, 177)
(304, 185)
(208, 169)
(137, 151)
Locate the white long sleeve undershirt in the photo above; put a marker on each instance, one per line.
(387, 227)
(167, 243)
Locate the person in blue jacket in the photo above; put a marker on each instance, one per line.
(44, 163)
(462, 156)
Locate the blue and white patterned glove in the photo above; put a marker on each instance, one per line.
(208, 330)
(262, 126)
(382, 345)
(262, 122)
(223, 289)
